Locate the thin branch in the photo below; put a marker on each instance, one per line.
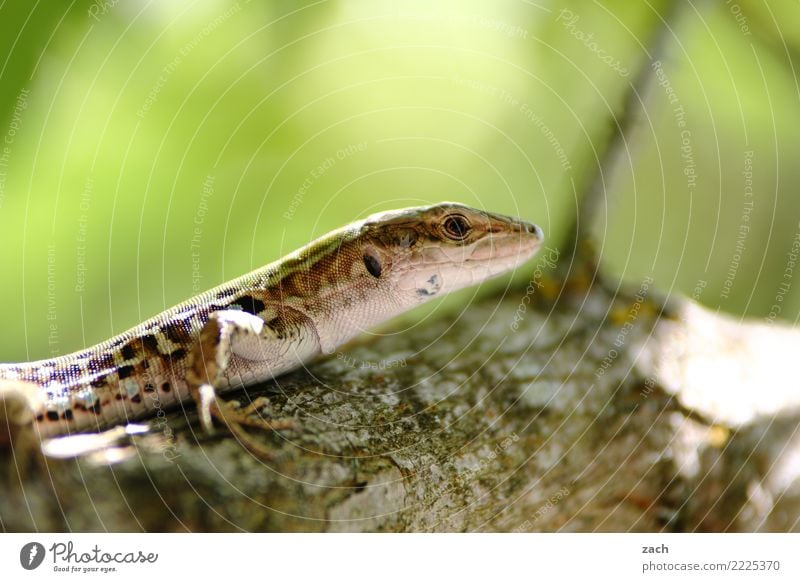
(615, 151)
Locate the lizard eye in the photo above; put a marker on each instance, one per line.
(456, 227)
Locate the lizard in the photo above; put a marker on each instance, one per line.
(268, 322)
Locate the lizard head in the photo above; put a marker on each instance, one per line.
(427, 251)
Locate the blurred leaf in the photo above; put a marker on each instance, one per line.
(167, 147)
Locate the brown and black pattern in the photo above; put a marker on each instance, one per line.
(335, 272)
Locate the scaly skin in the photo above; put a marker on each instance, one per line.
(274, 319)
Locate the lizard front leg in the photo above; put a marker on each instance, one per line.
(234, 349)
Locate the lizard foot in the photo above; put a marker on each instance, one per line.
(235, 418)
(210, 358)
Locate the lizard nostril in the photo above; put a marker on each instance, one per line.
(534, 230)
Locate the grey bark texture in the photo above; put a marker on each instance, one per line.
(566, 406)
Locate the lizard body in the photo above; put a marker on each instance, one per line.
(274, 319)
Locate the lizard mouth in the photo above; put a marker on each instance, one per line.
(521, 243)
(499, 251)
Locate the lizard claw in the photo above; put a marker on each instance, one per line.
(206, 399)
(210, 408)
(228, 415)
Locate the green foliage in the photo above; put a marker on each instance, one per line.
(166, 147)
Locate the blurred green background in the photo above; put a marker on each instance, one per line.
(152, 150)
